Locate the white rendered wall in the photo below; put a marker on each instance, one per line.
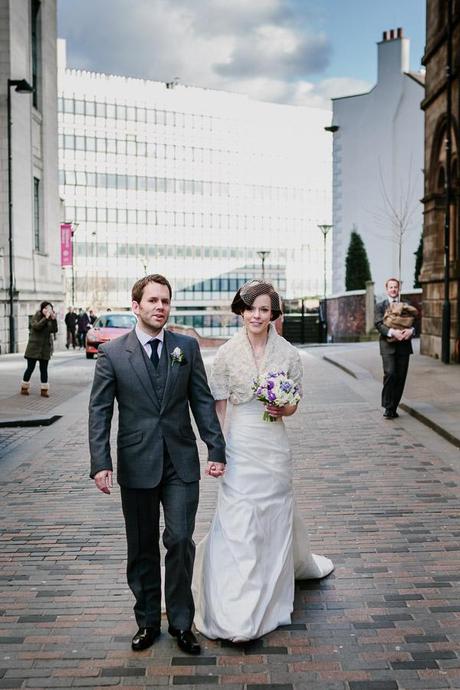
(378, 150)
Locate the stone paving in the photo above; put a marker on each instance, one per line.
(376, 499)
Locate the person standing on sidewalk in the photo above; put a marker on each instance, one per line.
(155, 376)
(84, 323)
(71, 327)
(40, 347)
(395, 349)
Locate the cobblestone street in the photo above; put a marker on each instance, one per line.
(381, 499)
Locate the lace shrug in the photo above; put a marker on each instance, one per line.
(234, 368)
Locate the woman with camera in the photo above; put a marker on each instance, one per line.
(40, 347)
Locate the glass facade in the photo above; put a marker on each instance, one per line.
(193, 184)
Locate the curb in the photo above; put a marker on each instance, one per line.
(29, 421)
(418, 410)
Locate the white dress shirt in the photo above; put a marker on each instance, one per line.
(145, 338)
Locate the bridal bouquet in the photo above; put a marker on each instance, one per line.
(275, 388)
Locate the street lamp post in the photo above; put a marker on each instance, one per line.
(325, 229)
(73, 230)
(21, 86)
(263, 255)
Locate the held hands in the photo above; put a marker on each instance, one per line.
(284, 411)
(215, 469)
(104, 481)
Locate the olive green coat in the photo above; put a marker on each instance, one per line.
(40, 343)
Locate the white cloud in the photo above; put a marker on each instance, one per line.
(258, 48)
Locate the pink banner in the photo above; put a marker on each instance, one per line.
(66, 244)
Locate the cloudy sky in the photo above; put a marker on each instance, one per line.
(289, 51)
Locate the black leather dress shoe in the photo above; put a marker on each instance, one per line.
(144, 638)
(389, 414)
(186, 640)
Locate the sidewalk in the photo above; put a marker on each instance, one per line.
(432, 392)
(32, 411)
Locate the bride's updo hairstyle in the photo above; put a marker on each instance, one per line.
(247, 294)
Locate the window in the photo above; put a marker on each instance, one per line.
(100, 109)
(36, 50)
(69, 105)
(37, 212)
(160, 117)
(79, 107)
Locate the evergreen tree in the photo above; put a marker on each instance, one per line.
(357, 269)
(418, 263)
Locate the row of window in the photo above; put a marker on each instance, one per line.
(184, 219)
(219, 288)
(115, 111)
(170, 185)
(157, 251)
(131, 146)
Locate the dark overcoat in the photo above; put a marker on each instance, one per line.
(40, 343)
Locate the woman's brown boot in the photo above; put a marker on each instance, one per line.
(25, 387)
(45, 390)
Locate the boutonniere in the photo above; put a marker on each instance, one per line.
(177, 356)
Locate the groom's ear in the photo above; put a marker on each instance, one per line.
(135, 306)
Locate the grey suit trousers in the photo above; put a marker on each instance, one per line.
(141, 509)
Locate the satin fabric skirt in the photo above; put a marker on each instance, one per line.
(243, 582)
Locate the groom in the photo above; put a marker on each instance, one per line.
(155, 375)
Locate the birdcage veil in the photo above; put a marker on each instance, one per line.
(248, 293)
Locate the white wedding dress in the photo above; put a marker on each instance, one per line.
(243, 582)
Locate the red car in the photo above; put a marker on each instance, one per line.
(108, 327)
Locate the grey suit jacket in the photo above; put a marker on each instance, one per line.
(403, 347)
(146, 424)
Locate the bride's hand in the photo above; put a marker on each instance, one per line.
(215, 469)
(284, 411)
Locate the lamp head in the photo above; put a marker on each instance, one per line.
(22, 85)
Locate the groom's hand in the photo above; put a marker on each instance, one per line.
(103, 481)
(215, 469)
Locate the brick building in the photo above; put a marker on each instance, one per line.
(442, 182)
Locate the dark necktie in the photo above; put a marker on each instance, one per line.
(154, 354)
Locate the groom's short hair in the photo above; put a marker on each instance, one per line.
(139, 286)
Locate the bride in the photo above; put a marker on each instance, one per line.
(243, 582)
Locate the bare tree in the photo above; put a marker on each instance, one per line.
(396, 214)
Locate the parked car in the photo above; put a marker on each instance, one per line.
(107, 327)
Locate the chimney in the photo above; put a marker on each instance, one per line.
(393, 54)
